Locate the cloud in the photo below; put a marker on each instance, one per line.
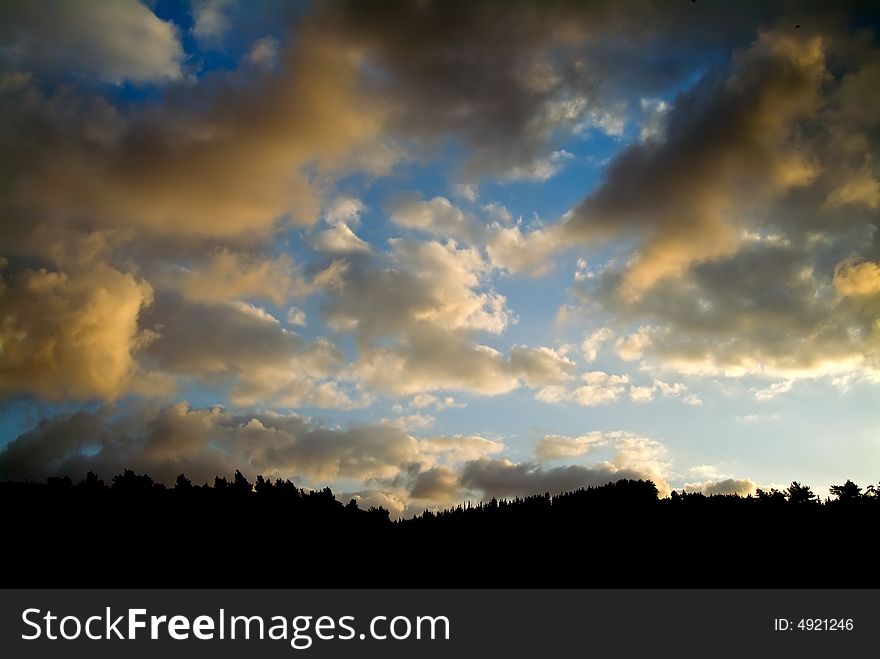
(641, 394)
(243, 347)
(721, 137)
(410, 422)
(528, 252)
(339, 240)
(438, 485)
(203, 442)
(541, 169)
(601, 388)
(508, 85)
(436, 216)
(431, 359)
(423, 400)
(728, 486)
(855, 277)
(754, 162)
(554, 447)
(344, 210)
(264, 53)
(224, 158)
(228, 275)
(71, 335)
(210, 22)
(458, 448)
(541, 366)
(503, 478)
(296, 316)
(122, 41)
(774, 390)
(423, 337)
(591, 344)
(467, 191)
(434, 286)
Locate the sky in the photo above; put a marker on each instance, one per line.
(431, 252)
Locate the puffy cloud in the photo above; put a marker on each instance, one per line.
(117, 42)
(438, 484)
(554, 447)
(778, 291)
(458, 448)
(339, 240)
(264, 53)
(654, 113)
(245, 348)
(71, 334)
(633, 346)
(600, 388)
(224, 158)
(591, 344)
(437, 216)
(344, 210)
(228, 275)
(721, 137)
(422, 400)
(205, 442)
(541, 169)
(415, 315)
(641, 394)
(506, 84)
(503, 478)
(854, 277)
(728, 486)
(858, 188)
(435, 360)
(410, 422)
(540, 366)
(529, 252)
(433, 285)
(296, 316)
(766, 310)
(210, 22)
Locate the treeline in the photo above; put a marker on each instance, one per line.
(134, 532)
(624, 491)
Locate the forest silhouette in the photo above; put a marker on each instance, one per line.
(134, 532)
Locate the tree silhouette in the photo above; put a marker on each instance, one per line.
(800, 494)
(849, 492)
(183, 483)
(609, 535)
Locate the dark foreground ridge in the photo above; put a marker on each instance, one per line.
(136, 533)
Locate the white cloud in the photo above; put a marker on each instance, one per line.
(296, 316)
(592, 343)
(339, 239)
(344, 210)
(540, 169)
(554, 447)
(210, 22)
(774, 390)
(529, 252)
(600, 388)
(436, 216)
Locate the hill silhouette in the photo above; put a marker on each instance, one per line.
(134, 532)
